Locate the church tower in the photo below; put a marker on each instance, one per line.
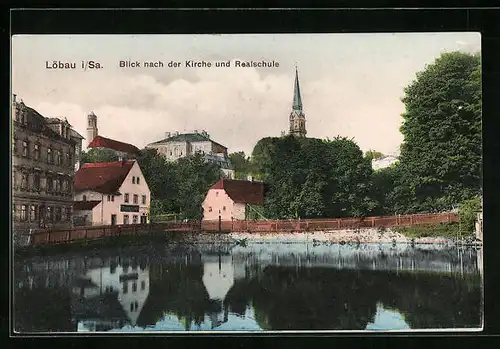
(297, 116)
(91, 127)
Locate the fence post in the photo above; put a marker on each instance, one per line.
(411, 219)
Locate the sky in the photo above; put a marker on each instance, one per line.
(351, 84)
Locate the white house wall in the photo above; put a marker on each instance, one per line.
(216, 200)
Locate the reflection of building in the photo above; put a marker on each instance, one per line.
(121, 149)
(219, 275)
(111, 193)
(43, 165)
(127, 285)
(230, 199)
(176, 146)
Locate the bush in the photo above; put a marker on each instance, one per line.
(449, 230)
(468, 215)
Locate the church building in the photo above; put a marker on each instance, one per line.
(297, 116)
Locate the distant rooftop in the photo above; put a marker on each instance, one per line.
(188, 137)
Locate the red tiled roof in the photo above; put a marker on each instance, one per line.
(103, 177)
(85, 205)
(242, 191)
(103, 142)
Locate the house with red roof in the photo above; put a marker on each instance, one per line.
(123, 150)
(232, 199)
(109, 193)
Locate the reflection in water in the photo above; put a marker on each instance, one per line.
(252, 288)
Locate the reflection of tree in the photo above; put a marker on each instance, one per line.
(178, 289)
(323, 298)
(35, 310)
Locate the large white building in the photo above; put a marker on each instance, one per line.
(110, 193)
(176, 146)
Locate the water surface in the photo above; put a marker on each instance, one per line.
(257, 287)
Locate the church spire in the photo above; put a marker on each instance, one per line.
(297, 100)
(297, 116)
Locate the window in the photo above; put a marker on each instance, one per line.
(144, 199)
(133, 180)
(84, 198)
(125, 219)
(50, 214)
(50, 158)
(136, 199)
(49, 184)
(135, 219)
(131, 306)
(209, 208)
(90, 123)
(112, 198)
(14, 145)
(138, 180)
(36, 181)
(223, 208)
(216, 193)
(125, 287)
(134, 287)
(68, 213)
(25, 148)
(143, 285)
(23, 213)
(57, 215)
(58, 185)
(37, 152)
(58, 157)
(32, 213)
(109, 197)
(68, 159)
(24, 181)
(125, 198)
(14, 178)
(65, 185)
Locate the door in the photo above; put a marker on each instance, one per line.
(143, 219)
(113, 219)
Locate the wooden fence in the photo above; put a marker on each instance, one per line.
(252, 226)
(279, 226)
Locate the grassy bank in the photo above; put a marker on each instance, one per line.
(448, 230)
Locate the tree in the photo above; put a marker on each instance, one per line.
(310, 177)
(373, 155)
(242, 165)
(94, 155)
(162, 180)
(441, 152)
(194, 176)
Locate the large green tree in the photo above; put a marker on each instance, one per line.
(311, 178)
(178, 186)
(194, 177)
(441, 152)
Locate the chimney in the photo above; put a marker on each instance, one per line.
(14, 98)
(195, 131)
(167, 134)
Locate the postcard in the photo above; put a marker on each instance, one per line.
(247, 183)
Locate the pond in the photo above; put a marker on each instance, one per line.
(255, 287)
